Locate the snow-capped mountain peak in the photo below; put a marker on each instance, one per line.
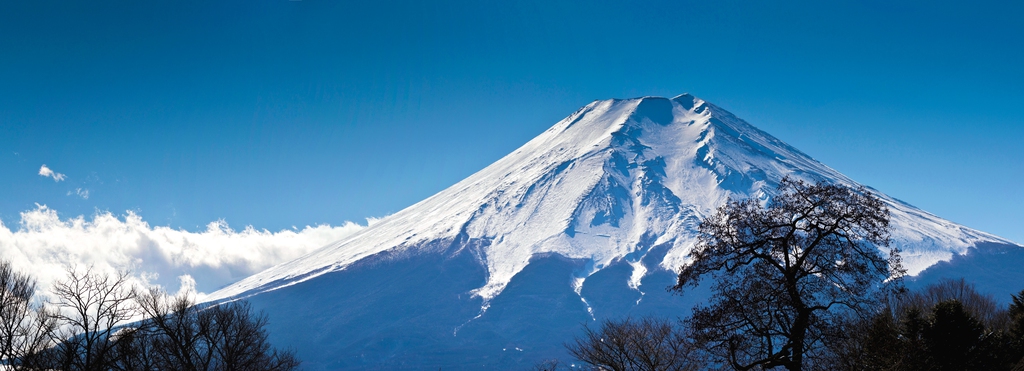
(610, 182)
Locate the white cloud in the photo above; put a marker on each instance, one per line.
(44, 245)
(83, 193)
(45, 171)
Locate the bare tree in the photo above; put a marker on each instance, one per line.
(90, 306)
(16, 291)
(239, 340)
(647, 344)
(101, 322)
(785, 273)
(188, 337)
(24, 327)
(174, 333)
(41, 328)
(981, 306)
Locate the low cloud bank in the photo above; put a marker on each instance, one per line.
(42, 244)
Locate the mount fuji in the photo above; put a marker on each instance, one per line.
(587, 221)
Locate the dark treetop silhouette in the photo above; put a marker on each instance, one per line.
(784, 273)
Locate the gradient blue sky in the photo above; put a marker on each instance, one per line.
(288, 113)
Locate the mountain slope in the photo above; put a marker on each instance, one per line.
(585, 217)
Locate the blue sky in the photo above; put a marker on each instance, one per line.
(291, 113)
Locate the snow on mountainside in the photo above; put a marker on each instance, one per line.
(606, 184)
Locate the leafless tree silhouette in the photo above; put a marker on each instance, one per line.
(783, 274)
(647, 344)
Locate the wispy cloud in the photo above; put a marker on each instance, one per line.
(44, 244)
(83, 193)
(45, 171)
